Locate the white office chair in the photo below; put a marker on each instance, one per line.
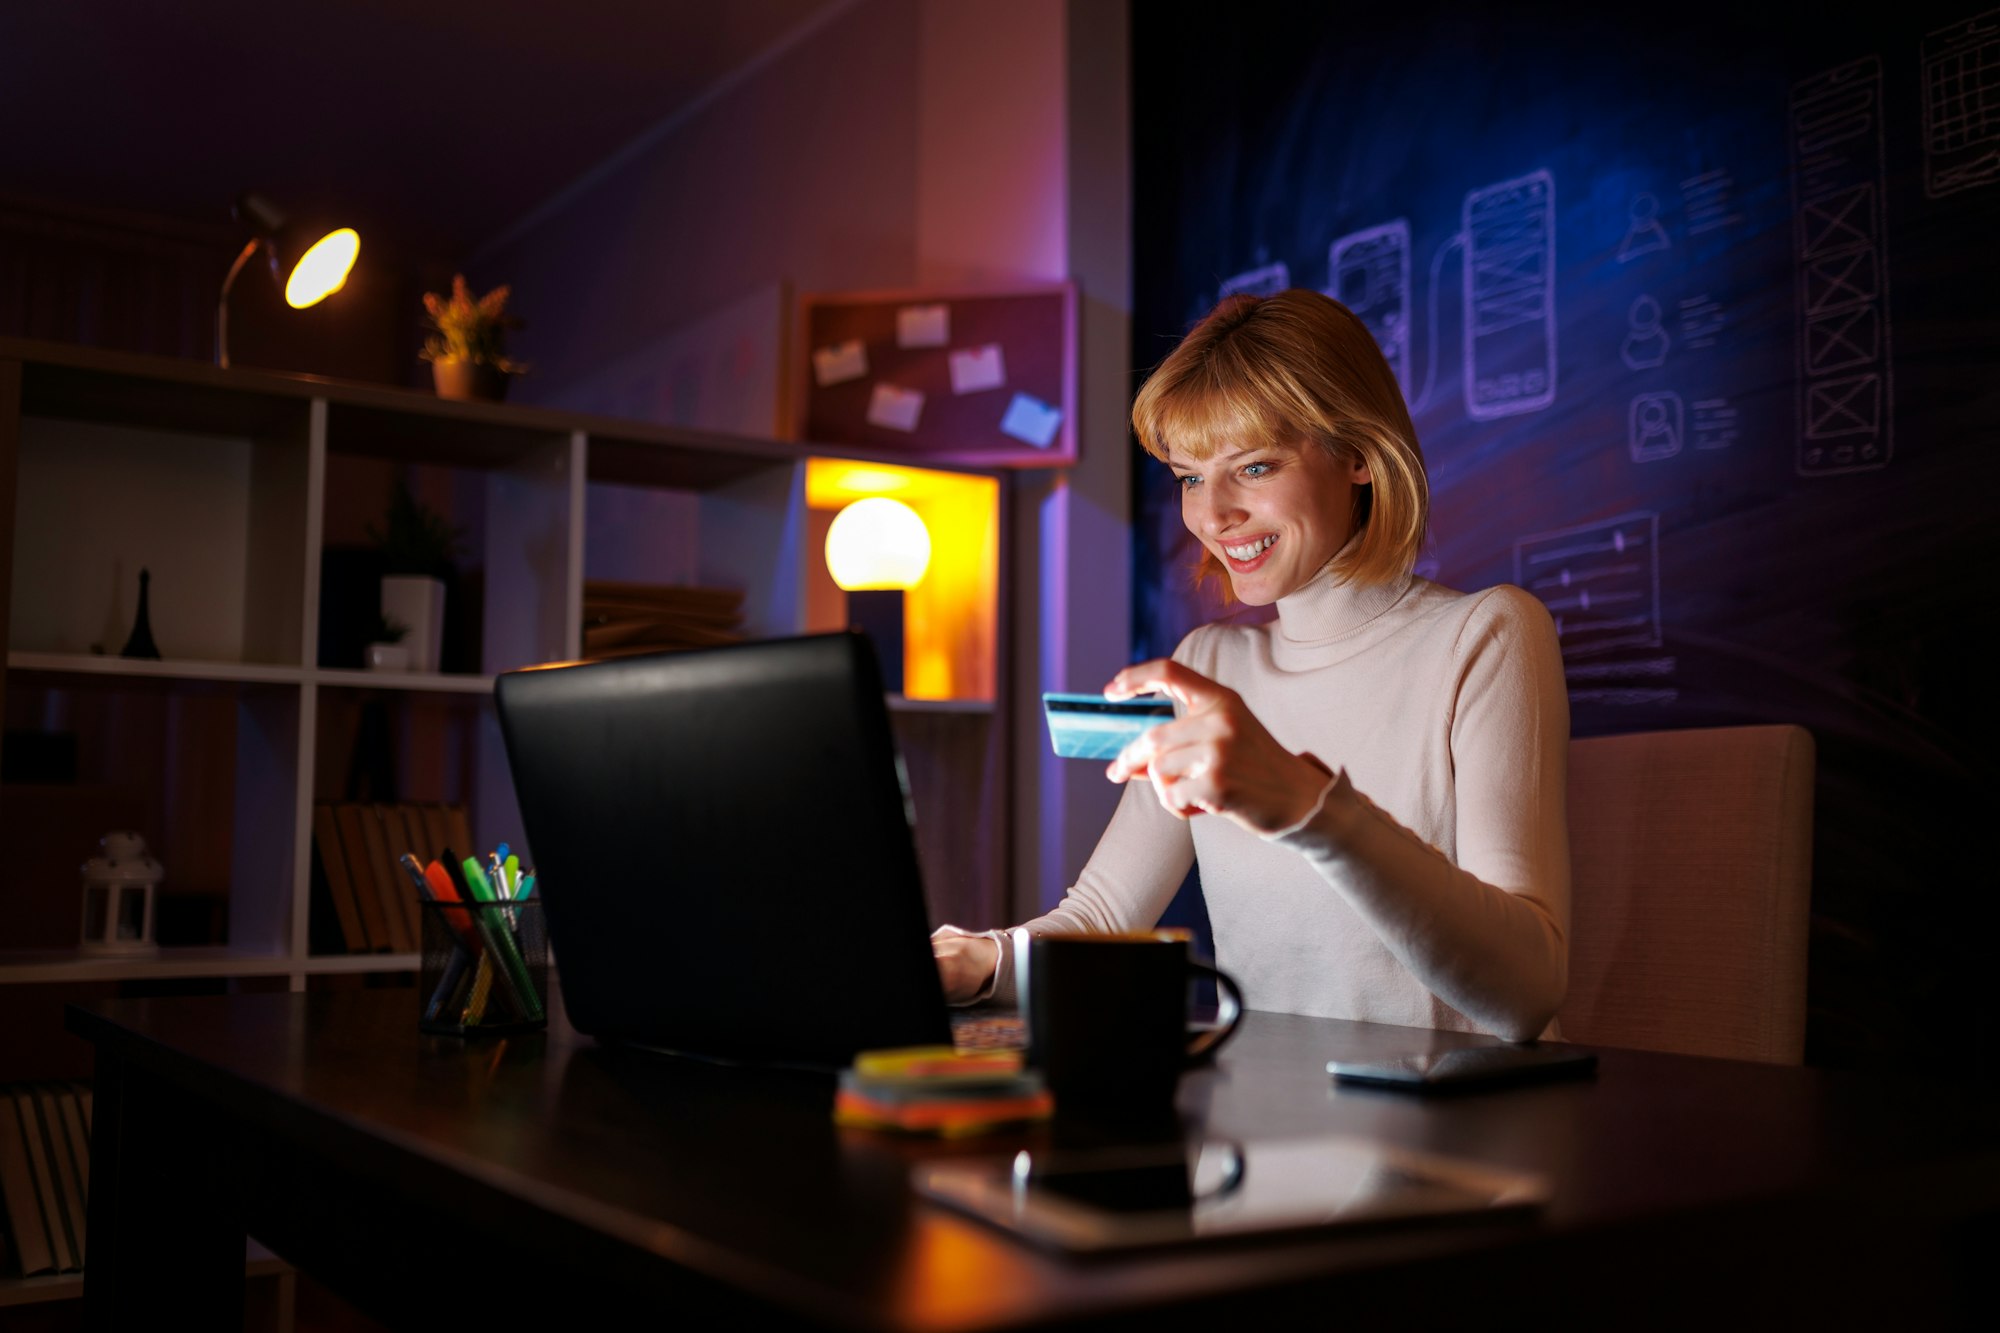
(1691, 861)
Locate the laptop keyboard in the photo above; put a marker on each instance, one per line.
(987, 1030)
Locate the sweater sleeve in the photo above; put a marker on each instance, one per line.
(1131, 877)
(1488, 935)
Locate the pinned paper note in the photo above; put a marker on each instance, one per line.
(923, 326)
(1031, 420)
(897, 409)
(976, 368)
(840, 362)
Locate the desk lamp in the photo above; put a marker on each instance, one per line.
(317, 273)
(876, 549)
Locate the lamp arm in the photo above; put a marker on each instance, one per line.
(222, 302)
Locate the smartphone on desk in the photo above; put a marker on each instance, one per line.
(1468, 1068)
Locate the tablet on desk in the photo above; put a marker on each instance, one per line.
(1112, 1199)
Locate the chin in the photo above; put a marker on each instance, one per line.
(1256, 596)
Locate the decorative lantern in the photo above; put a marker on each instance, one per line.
(118, 889)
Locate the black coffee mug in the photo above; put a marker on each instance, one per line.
(1107, 1017)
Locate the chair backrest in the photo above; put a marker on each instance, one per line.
(1691, 865)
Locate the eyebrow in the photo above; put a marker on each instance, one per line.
(1175, 461)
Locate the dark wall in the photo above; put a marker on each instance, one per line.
(1695, 308)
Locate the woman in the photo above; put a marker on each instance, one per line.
(1373, 784)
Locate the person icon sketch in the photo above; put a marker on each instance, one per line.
(1646, 343)
(1643, 234)
(1654, 426)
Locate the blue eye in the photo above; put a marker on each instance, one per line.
(1188, 481)
(1256, 469)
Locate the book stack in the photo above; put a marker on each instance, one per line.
(625, 619)
(939, 1090)
(362, 900)
(44, 1175)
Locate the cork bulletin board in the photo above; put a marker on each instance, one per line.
(985, 379)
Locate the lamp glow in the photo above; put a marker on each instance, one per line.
(877, 543)
(322, 269)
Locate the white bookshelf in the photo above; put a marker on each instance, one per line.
(219, 483)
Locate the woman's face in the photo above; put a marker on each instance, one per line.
(1273, 516)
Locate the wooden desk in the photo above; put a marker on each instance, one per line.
(545, 1178)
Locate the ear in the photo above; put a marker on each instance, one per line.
(1359, 476)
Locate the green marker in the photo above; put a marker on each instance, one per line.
(513, 968)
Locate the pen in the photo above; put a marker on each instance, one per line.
(487, 939)
(454, 970)
(513, 970)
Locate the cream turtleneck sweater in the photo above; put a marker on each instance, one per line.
(1430, 885)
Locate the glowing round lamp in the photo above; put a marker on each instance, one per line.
(877, 543)
(875, 549)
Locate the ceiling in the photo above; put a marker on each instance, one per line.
(434, 125)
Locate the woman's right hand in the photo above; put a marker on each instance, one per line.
(965, 964)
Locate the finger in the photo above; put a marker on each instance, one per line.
(1143, 751)
(1163, 675)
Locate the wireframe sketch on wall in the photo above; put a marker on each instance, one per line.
(1961, 73)
(1600, 581)
(1654, 426)
(1644, 234)
(1846, 397)
(1265, 280)
(1510, 297)
(1708, 202)
(1369, 273)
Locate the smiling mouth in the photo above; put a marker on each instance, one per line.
(1251, 550)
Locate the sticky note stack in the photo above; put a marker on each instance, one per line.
(939, 1090)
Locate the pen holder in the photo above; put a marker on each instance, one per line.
(485, 968)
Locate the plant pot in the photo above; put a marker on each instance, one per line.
(388, 657)
(417, 601)
(469, 381)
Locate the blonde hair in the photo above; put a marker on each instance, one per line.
(1281, 370)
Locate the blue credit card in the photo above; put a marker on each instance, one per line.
(1090, 726)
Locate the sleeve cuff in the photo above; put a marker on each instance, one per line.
(985, 992)
(1333, 781)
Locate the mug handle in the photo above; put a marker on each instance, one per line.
(1230, 998)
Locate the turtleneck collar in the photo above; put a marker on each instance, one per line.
(1329, 607)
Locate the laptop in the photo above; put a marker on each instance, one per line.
(722, 846)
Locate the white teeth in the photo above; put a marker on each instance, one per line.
(1246, 552)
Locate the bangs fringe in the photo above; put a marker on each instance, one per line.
(1201, 413)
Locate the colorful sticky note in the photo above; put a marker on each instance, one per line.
(1031, 421)
(897, 409)
(976, 368)
(840, 362)
(923, 326)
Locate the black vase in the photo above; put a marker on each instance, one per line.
(141, 643)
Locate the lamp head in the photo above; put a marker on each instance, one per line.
(877, 543)
(309, 267)
(318, 266)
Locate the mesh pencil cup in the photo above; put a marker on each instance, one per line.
(485, 968)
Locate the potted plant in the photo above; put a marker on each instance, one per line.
(420, 547)
(467, 346)
(386, 649)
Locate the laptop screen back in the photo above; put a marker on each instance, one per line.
(723, 851)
